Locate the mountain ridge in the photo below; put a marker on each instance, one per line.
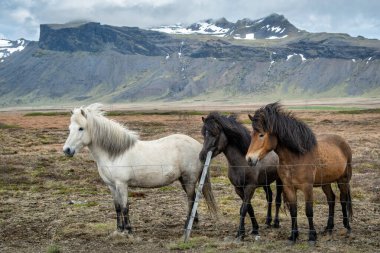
(92, 62)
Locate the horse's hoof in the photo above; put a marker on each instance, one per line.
(239, 239)
(276, 225)
(293, 237)
(327, 231)
(291, 242)
(254, 232)
(240, 236)
(312, 243)
(117, 234)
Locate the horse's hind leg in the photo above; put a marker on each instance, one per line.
(290, 196)
(189, 188)
(269, 197)
(331, 201)
(345, 201)
(308, 192)
(278, 203)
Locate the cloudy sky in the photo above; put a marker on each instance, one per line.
(21, 18)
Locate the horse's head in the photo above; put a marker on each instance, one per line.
(79, 135)
(262, 142)
(214, 138)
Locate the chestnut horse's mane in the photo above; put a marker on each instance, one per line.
(291, 132)
(236, 133)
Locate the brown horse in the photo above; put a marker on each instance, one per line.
(305, 161)
(226, 135)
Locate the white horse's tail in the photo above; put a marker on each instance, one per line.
(209, 196)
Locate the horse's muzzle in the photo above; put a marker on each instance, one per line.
(69, 152)
(252, 161)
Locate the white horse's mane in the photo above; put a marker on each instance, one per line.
(106, 133)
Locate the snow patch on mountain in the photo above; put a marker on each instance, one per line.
(8, 47)
(198, 28)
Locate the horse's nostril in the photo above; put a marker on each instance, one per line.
(68, 152)
(249, 161)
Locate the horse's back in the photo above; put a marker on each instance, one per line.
(334, 158)
(184, 148)
(336, 144)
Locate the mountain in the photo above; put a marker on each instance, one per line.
(210, 60)
(272, 27)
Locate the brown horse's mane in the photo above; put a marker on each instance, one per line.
(236, 133)
(290, 131)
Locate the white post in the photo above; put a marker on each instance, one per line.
(197, 196)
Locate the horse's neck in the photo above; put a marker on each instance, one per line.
(234, 156)
(101, 156)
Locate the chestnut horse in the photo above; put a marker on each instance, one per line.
(305, 161)
(225, 134)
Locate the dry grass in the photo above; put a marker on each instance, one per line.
(51, 203)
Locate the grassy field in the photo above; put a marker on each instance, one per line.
(51, 203)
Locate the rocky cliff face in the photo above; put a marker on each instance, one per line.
(93, 62)
(93, 37)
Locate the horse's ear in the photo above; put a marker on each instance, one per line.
(83, 113)
(203, 119)
(250, 117)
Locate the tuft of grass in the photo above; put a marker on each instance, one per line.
(33, 114)
(53, 249)
(181, 245)
(194, 242)
(220, 180)
(86, 204)
(6, 126)
(101, 227)
(167, 188)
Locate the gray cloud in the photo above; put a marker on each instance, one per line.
(21, 18)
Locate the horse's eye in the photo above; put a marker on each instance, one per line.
(261, 135)
(81, 129)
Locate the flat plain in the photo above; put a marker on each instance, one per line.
(52, 203)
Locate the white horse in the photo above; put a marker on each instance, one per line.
(123, 160)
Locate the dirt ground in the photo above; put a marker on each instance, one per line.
(51, 203)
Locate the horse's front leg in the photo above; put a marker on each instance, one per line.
(122, 193)
(246, 195)
(278, 202)
(269, 197)
(119, 221)
(255, 225)
(243, 211)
